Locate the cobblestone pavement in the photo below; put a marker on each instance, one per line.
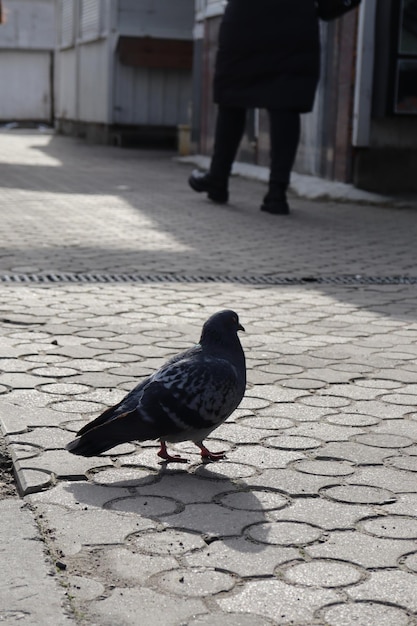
(312, 517)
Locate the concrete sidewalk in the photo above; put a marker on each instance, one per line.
(109, 264)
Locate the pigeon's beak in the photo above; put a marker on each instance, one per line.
(240, 327)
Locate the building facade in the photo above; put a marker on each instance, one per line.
(123, 68)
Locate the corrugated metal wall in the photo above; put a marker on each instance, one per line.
(155, 97)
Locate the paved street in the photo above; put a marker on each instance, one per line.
(109, 264)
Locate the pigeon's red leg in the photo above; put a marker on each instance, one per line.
(164, 454)
(207, 455)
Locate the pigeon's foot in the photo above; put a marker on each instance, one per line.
(206, 455)
(168, 458)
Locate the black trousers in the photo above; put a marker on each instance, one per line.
(284, 139)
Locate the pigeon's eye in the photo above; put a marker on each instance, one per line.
(234, 319)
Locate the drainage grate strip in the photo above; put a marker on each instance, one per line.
(97, 278)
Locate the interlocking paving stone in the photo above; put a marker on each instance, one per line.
(281, 602)
(57, 462)
(230, 619)
(89, 527)
(46, 438)
(268, 423)
(328, 514)
(265, 501)
(16, 419)
(29, 594)
(358, 494)
(391, 526)
(324, 468)
(403, 427)
(258, 455)
(352, 419)
(148, 506)
(31, 480)
(213, 519)
(123, 477)
(327, 402)
(362, 549)
(194, 581)
(133, 569)
(168, 541)
(129, 607)
(189, 488)
(406, 504)
(284, 533)
(365, 614)
(396, 587)
(389, 440)
(411, 562)
(385, 477)
(291, 482)
(84, 589)
(243, 556)
(292, 442)
(324, 573)
(354, 452)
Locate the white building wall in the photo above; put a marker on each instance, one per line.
(30, 24)
(83, 71)
(92, 85)
(27, 42)
(66, 80)
(28, 93)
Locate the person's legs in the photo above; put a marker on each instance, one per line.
(284, 138)
(230, 125)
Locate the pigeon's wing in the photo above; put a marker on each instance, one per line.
(189, 395)
(132, 399)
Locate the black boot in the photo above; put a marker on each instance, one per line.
(204, 182)
(230, 125)
(276, 203)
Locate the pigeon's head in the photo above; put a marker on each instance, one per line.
(221, 327)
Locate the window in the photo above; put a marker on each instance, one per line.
(405, 97)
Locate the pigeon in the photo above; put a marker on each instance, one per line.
(185, 400)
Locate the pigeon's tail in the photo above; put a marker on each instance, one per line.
(90, 444)
(125, 427)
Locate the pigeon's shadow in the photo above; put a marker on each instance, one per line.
(198, 501)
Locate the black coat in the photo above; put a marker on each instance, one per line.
(268, 55)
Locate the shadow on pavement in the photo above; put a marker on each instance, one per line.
(105, 209)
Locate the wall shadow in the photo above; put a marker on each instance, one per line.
(69, 206)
